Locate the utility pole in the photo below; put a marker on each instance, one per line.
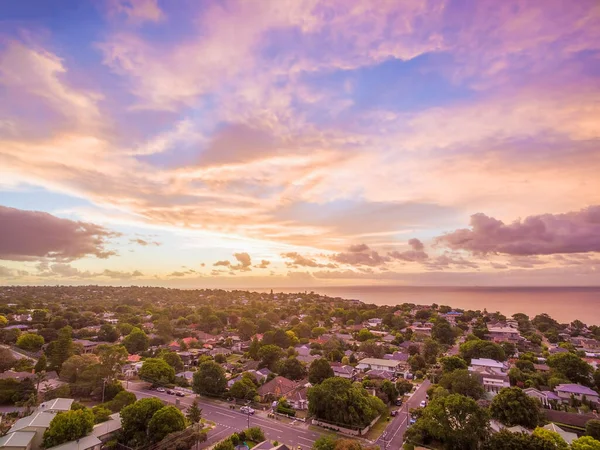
(103, 388)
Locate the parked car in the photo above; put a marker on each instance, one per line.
(170, 392)
(179, 394)
(247, 410)
(423, 404)
(399, 401)
(412, 420)
(159, 389)
(394, 413)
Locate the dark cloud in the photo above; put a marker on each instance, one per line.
(35, 235)
(222, 263)
(416, 244)
(525, 262)
(416, 254)
(572, 232)
(263, 264)
(360, 256)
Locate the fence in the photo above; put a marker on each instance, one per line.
(351, 431)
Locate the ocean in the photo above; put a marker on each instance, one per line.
(564, 304)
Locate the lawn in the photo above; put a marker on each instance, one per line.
(233, 358)
(376, 430)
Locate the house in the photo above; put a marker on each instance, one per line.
(19, 440)
(555, 350)
(188, 375)
(397, 356)
(298, 398)
(174, 346)
(566, 435)
(343, 371)
(89, 442)
(494, 374)
(56, 405)
(262, 374)
(303, 350)
(381, 374)
(133, 358)
(241, 347)
(37, 423)
(189, 341)
(88, 346)
(566, 391)
(451, 316)
(389, 338)
(106, 430)
(220, 351)
(545, 397)
(276, 388)
(380, 364)
(374, 322)
(504, 334)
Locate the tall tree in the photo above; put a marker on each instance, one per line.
(442, 332)
(174, 360)
(61, 349)
(513, 407)
(165, 421)
(476, 348)
(571, 366)
(108, 333)
(291, 368)
(157, 371)
(136, 341)
(112, 358)
(194, 412)
(209, 379)
(319, 370)
(269, 356)
(68, 426)
(30, 341)
(462, 382)
(135, 418)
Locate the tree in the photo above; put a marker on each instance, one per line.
(455, 420)
(101, 413)
(451, 363)
(585, 443)
(157, 371)
(554, 439)
(41, 365)
(324, 443)
(442, 332)
(513, 407)
(165, 421)
(476, 348)
(246, 328)
(209, 379)
(291, 368)
(108, 333)
(319, 370)
(3, 321)
(339, 401)
(505, 440)
(68, 426)
(431, 349)
(194, 413)
(174, 360)
(7, 359)
(592, 428)
(389, 389)
(263, 325)
(462, 382)
(30, 341)
(135, 418)
(112, 358)
(136, 341)
(254, 349)
(61, 349)
(571, 366)
(77, 367)
(121, 400)
(243, 389)
(403, 386)
(364, 335)
(269, 356)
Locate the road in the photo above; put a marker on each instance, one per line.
(393, 436)
(227, 421)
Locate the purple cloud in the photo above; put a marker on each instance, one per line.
(34, 235)
(572, 232)
(360, 255)
(416, 254)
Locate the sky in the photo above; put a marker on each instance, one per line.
(280, 143)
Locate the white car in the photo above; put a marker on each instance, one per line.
(423, 404)
(246, 410)
(160, 389)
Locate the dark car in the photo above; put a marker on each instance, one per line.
(170, 392)
(398, 401)
(394, 413)
(179, 394)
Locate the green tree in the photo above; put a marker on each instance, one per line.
(174, 360)
(194, 413)
(462, 382)
(68, 426)
(451, 363)
(121, 400)
(476, 348)
(254, 349)
(3, 321)
(431, 349)
(30, 341)
(364, 335)
(112, 358)
(291, 368)
(243, 389)
(61, 349)
(505, 440)
(592, 428)
(209, 379)
(135, 418)
(246, 328)
(324, 443)
(7, 360)
(389, 389)
(455, 420)
(269, 356)
(78, 367)
(319, 370)
(571, 366)
(585, 443)
(403, 386)
(41, 365)
(157, 371)
(108, 333)
(339, 401)
(165, 421)
(101, 413)
(136, 341)
(442, 332)
(513, 407)
(554, 439)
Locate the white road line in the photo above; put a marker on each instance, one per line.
(304, 439)
(226, 415)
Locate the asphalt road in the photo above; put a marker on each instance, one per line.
(393, 436)
(228, 421)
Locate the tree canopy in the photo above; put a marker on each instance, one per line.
(136, 341)
(462, 382)
(512, 406)
(68, 426)
(157, 371)
(319, 370)
(209, 379)
(477, 348)
(30, 341)
(166, 420)
(135, 419)
(571, 366)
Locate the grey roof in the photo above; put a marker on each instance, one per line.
(108, 427)
(576, 389)
(57, 404)
(38, 419)
(80, 444)
(17, 439)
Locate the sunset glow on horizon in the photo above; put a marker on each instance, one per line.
(300, 143)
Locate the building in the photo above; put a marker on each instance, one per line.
(389, 365)
(504, 334)
(276, 388)
(298, 398)
(577, 391)
(493, 374)
(545, 397)
(89, 442)
(343, 371)
(88, 346)
(566, 435)
(19, 440)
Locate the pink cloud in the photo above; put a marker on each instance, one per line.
(572, 232)
(37, 235)
(360, 256)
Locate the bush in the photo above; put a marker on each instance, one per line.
(255, 434)
(101, 413)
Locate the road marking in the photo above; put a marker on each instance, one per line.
(216, 434)
(226, 415)
(304, 439)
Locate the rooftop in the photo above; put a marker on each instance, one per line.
(576, 389)
(38, 420)
(487, 362)
(80, 444)
(379, 362)
(58, 404)
(17, 439)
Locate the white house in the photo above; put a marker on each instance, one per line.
(389, 365)
(494, 374)
(566, 391)
(504, 334)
